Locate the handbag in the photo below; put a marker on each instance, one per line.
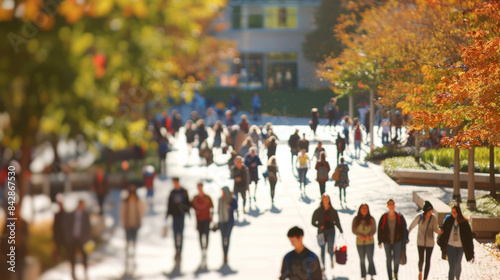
(336, 175)
(265, 174)
(341, 252)
(321, 239)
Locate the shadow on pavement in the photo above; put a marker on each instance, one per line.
(176, 272)
(346, 211)
(241, 224)
(225, 270)
(306, 199)
(256, 212)
(275, 210)
(340, 278)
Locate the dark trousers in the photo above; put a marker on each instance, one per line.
(225, 230)
(329, 241)
(178, 230)
(100, 199)
(273, 187)
(322, 187)
(73, 247)
(393, 253)
(203, 229)
(243, 194)
(428, 253)
(366, 252)
(455, 255)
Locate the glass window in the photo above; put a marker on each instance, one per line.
(282, 56)
(281, 17)
(281, 70)
(255, 18)
(236, 18)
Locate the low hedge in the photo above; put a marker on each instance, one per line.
(445, 157)
(382, 153)
(486, 205)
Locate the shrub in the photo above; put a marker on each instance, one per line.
(498, 239)
(390, 164)
(388, 152)
(445, 158)
(485, 206)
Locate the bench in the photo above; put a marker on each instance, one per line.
(441, 178)
(441, 209)
(485, 227)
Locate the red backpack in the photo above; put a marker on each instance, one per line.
(357, 135)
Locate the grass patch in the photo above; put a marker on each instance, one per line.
(390, 164)
(485, 206)
(445, 157)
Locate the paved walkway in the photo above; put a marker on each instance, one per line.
(258, 241)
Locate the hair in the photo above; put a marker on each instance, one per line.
(238, 158)
(200, 184)
(342, 160)
(390, 200)
(322, 156)
(272, 161)
(175, 179)
(359, 217)
(348, 120)
(460, 216)
(320, 142)
(295, 232)
(329, 201)
(255, 129)
(132, 191)
(252, 149)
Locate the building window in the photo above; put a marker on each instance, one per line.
(255, 19)
(281, 17)
(281, 70)
(236, 18)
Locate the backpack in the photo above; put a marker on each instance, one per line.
(358, 134)
(322, 173)
(310, 257)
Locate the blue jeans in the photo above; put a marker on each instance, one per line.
(346, 135)
(302, 175)
(131, 234)
(329, 240)
(366, 252)
(385, 138)
(455, 255)
(178, 229)
(393, 252)
(225, 230)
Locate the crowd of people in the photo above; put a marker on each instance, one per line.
(253, 156)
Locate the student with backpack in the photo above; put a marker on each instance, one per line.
(323, 169)
(340, 143)
(427, 224)
(358, 137)
(301, 263)
(393, 234)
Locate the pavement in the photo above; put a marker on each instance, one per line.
(259, 241)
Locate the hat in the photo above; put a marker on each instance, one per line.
(427, 206)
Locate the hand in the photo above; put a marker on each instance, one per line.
(440, 232)
(321, 227)
(380, 245)
(237, 179)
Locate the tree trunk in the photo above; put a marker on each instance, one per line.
(351, 106)
(25, 164)
(372, 121)
(471, 199)
(417, 146)
(456, 176)
(56, 164)
(493, 191)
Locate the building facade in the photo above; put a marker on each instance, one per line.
(269, 36)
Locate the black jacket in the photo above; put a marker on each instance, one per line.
(318, 221)
(293, 142)
(465, 236)
(384, 236)
(178, 203)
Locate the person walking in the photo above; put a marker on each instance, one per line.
(228, 203)
(241, 176)
(148, 176)
(190, 135)
(201, 131)
(393, 234)
(58, 229)
(358, 137)
(271, 147)
(272, 174)
(364, 227)
(427, 224)
(456, 241)
(203, 206)
(330, 112)
(256, 106)
(252, 161)
(218, 131)
(100, 187)
(386, 126)
(132, 210)
(318, 150)
(177, 207)
(314, 120)
(323, 169)
(77, 233)
(341, 144)
(301, 263)
(326, 218)
(293, 143)
(347, 126)
(303, 143)
(343, 181)
(303, 164)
